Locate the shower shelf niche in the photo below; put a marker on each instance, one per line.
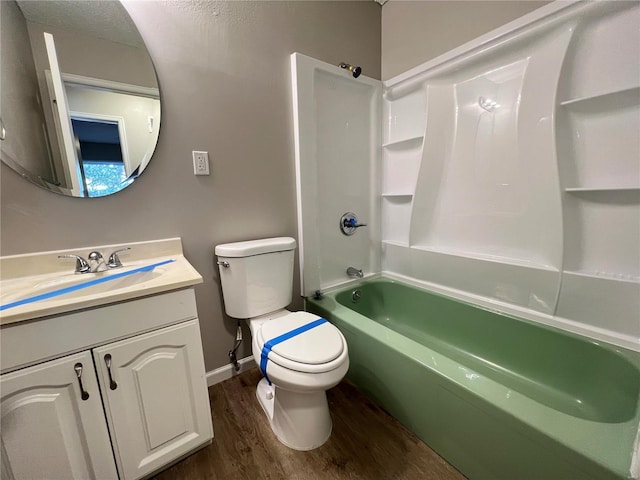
(398, 194)
(601, 189)
(603, 232)
(624, 94)
(616, 277)
(516, 261)
(401, 158)
(599, 171)
(400, 165)
(406, 118)
(602, 142)
(407, 143)
(608, 301)
(396, 216)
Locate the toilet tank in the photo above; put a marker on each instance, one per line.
(259, 276)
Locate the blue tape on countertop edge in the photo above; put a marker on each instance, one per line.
(269, 344)
(80, 286)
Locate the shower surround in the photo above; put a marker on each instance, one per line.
(504, 172)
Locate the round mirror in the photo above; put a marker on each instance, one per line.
(79, 97)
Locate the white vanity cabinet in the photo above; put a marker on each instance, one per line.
(156, 400)
(49, 428)
(147, 406)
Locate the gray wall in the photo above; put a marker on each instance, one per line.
(414, 32)
(223, 69)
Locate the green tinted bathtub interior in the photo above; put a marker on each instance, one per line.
(497, 396)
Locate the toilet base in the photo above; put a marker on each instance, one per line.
(301, 421)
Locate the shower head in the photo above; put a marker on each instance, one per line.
(356, 71)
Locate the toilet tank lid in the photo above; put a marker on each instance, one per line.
(255, 247)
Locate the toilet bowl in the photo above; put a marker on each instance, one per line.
(298, 373)
(300, 354)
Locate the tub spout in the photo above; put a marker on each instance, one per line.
(354, 272)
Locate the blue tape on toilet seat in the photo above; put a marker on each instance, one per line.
(269, 344)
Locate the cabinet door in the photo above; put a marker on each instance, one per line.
(155, 396)
(49, 429)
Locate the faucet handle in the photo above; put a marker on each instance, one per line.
(349, 223)
(82, 266)
(114, 260)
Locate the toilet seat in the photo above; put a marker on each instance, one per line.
(318, 350)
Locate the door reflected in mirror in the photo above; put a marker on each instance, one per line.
(80, 102)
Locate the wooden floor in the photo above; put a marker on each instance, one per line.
(366, 443)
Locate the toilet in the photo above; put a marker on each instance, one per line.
(300, 355)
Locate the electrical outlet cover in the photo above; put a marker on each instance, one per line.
(200, 163)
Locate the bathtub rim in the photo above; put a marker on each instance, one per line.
(491, 304)
(599, 442)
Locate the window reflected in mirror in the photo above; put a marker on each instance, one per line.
(101, 165)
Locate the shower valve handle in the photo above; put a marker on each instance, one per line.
(349, 223)
(352, 223)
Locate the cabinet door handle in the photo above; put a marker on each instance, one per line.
(107, 361)
(83, 393)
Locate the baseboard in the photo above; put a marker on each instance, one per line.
(224, 373)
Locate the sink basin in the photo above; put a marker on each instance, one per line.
(72, 286)
(38, 285)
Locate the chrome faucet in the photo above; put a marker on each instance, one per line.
(96, 262)
(354, 272)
